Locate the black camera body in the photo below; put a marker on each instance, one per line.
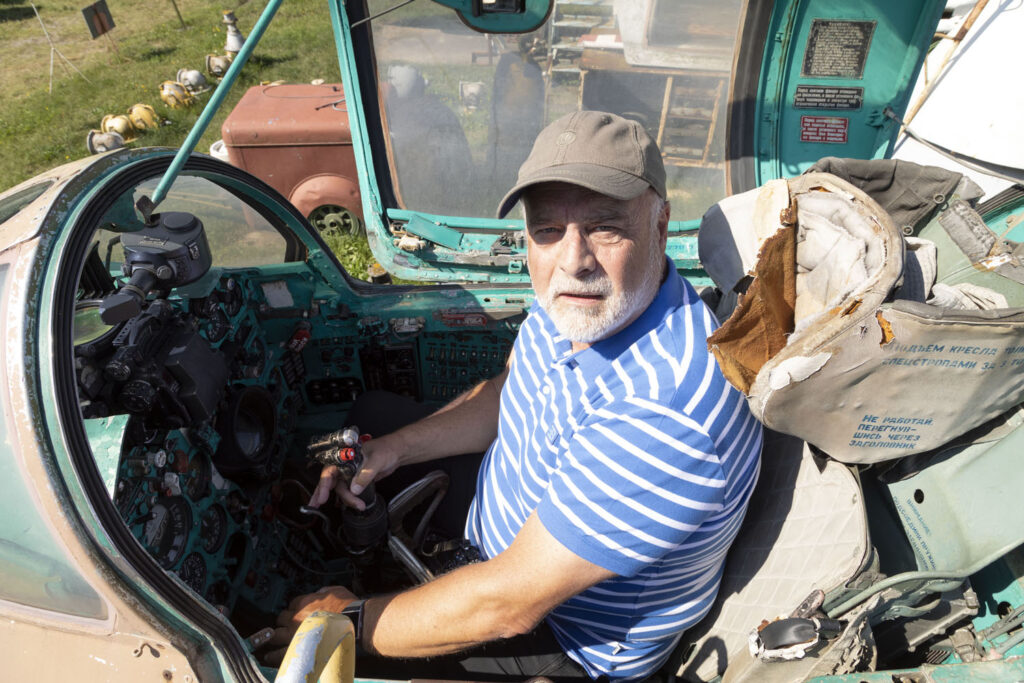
(160, 368)
(156, 364)
(170, 252)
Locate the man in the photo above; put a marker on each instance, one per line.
(619, 461)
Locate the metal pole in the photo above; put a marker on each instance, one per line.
(53, 49)
(160, 193)
(178, 11)
(114, 45)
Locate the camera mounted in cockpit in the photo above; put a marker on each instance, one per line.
(151, 361)
(169, 252)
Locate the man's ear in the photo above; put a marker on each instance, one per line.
(666, 211)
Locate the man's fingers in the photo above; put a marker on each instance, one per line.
(274, 657)
(328, 478)
(286, 616)
(363, 479)
(281, 637)
(350, 499)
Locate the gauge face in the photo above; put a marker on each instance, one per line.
(213, 528)
(218, 593)
(233, 297)
(198, 474)
(166, 531)
(219, 326)
(193, 572)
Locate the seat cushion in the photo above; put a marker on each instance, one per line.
(805, 529)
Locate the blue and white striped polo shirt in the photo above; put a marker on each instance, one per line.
(639, 457)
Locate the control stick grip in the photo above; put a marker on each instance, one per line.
(342, 449)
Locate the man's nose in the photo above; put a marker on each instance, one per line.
(577, 257)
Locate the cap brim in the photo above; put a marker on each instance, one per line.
(607, 181)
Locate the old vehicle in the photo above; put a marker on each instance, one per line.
(295, 137)
(176, 333)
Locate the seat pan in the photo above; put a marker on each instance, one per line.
(805, 529)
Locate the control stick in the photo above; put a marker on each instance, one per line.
(344, 449)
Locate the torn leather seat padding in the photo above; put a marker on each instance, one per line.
(805, 529)
(764, 315)
(865, 375)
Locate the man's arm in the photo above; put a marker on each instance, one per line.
(469, 424)
(500, 598)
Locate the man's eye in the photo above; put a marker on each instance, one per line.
(606, 231)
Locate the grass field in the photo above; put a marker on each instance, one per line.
(40, 129)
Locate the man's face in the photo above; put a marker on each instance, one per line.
(595, 262)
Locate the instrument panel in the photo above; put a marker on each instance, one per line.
(225, 381)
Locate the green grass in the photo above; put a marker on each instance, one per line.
(39, 131)
(352, 251)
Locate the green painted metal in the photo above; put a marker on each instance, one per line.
(452, 234)
(56, 230)
(898, 42)
(957, 517)
(215, 101)
(1008, 220)
(463, 222)
(533, 16)
(1003, 589)
(105, 435)
(476, 234)
(956, 514)
(435, 231)
(36, 570)
(361, 148)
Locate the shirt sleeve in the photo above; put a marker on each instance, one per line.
(633, 482)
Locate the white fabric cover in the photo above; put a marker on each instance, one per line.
(806, 528)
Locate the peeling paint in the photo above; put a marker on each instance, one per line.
(887, 333)
(787, 216)
(101, 661)
(303, 659)
(993, 262)
(796, 369)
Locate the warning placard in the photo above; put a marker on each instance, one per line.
(831, 129)
(837, 48)
(828, 97)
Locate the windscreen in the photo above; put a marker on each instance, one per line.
(461, 109)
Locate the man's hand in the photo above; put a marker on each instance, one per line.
(466, 425)
(328, 598)
(381, 457)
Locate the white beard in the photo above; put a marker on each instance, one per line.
(586, 325)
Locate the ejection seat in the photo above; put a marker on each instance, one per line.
(876, 340)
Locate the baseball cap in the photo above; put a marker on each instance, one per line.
(602, 152)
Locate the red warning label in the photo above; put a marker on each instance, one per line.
(823, 129)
